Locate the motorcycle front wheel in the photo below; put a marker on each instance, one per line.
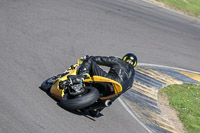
(82, 101)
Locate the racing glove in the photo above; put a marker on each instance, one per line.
(63, 84)
(86, 57)
(78, 79)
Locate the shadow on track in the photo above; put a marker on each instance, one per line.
(82, 112)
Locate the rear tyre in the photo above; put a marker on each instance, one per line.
(82, 101)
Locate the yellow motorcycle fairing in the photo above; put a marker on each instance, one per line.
(59, 93)
(117, 87)
(55, 90)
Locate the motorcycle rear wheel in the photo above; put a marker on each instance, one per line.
(82, 101)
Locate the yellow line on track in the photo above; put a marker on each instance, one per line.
(146, 87)
(159, 76)
(164, 123)
(168, 79)
(147, 91)
(153, 97)
(154, 77)
(171, 130)
(191, 75)
(157, 115)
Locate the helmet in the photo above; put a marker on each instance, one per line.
(130, 58)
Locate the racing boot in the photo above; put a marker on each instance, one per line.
(94, 113)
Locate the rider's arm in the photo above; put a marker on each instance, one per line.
(106, 61)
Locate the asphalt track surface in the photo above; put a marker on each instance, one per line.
(40, 38)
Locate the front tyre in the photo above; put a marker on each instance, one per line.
(82, 101)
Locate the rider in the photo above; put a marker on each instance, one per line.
(121, 70)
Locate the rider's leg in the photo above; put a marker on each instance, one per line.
(96, 70)
(92, 68)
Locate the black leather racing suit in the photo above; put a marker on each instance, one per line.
(120, 70)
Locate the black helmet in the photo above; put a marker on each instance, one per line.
(130, 58)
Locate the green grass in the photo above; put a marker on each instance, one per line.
(185, 99)
(191, 7)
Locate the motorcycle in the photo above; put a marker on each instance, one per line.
(94, 94)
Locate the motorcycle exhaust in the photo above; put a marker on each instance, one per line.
(108, 103)
(100, 105)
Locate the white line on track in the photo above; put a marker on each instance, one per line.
(162, 66)
(131, 113)
(151, 65)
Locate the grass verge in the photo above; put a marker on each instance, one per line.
(190, 7)
(185, 99)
